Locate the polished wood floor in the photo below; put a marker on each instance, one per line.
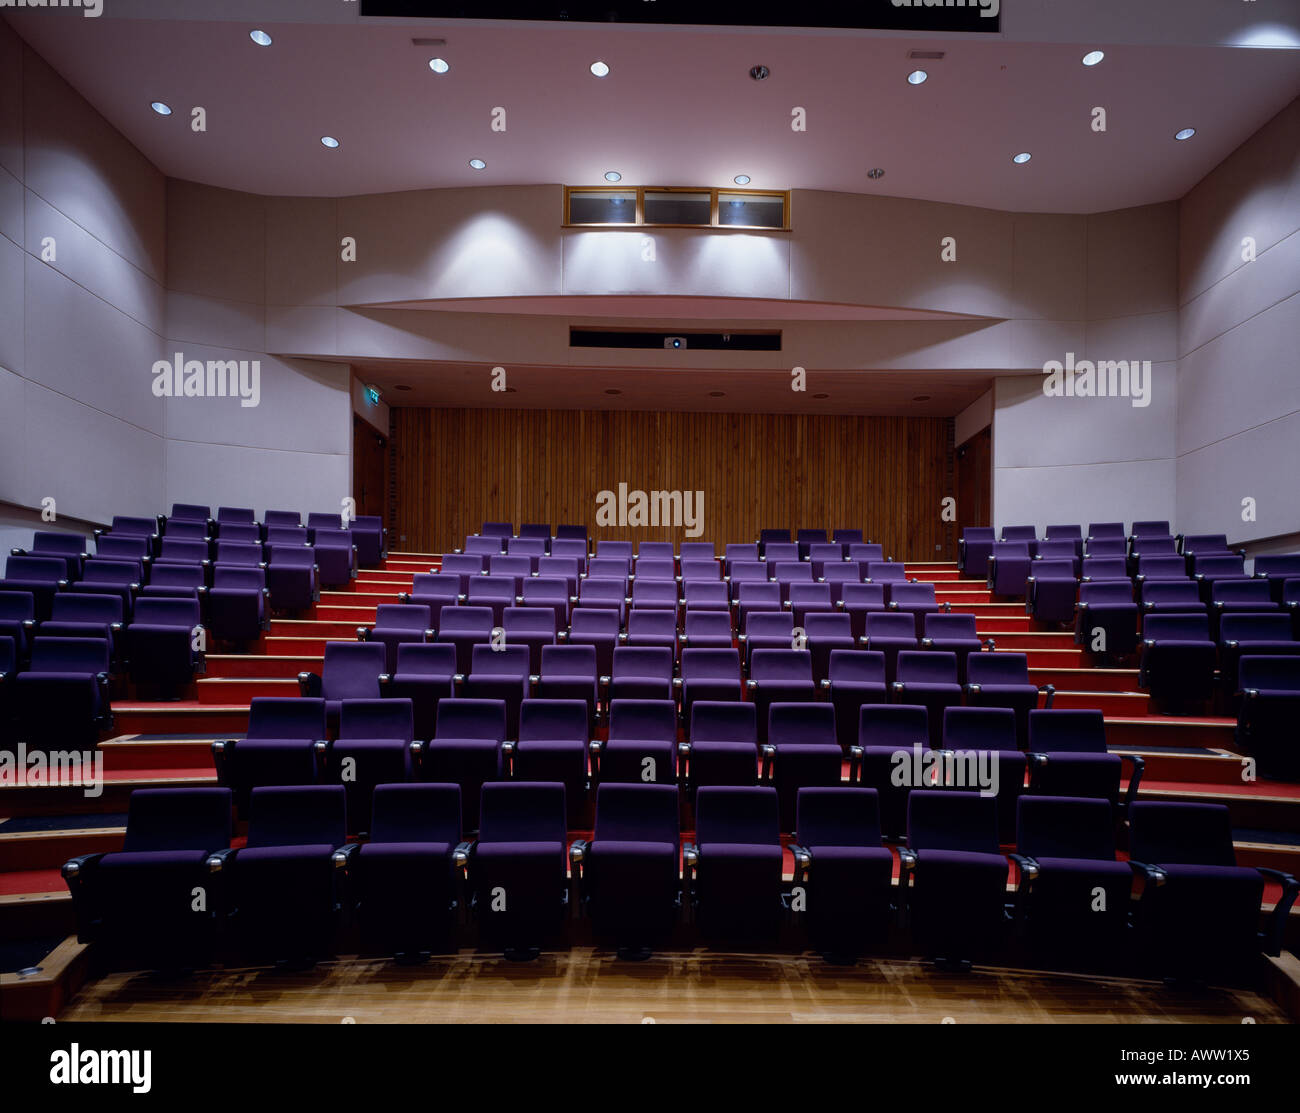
(585, 985)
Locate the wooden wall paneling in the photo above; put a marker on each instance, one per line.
(455, 469)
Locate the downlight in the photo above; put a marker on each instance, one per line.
(1093, 57)
(741, 179)
(478, 164)
(917, 77)
(160, 108)
(438, 65)
(600, 69)
(329, 141)
(1186, 133)
(613, 176)
(260, 37)
(1022, 158)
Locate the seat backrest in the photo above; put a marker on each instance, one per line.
(979, 728)
(951, 626)
(810, 594)
(1154, 546)
(298, 815)
(426, 659)
(126, 547)
(465, 622)
(327, 519)
(377, 718)
(886, 571)
(898, 725)
(749, 815)
(554, 566)
(136, 527)
(828, 624)
(866, 553)
(159, 611)
(826, 550)
(1168, 591)
(856, 666)
(769, 624)
(278, 717)
(469, 564)
(352, 669)
(594, 622)
(801, 724)
(603, 568)
(643, 720)
(286, 535)
(36, 568)
(416, 813)
(663, 592)
(715, 664)
(913, 595)
(698, 550)
(1107, 591)
(1218, 565)
(235, 515)
(723, 721)
(749, 572)
(1176, 627)
(920, 666)
(186, 529)
(1057, 550)
(695, 569)
(1269, 673)
(1106, 530)
(238, 552)
(529, 620)
(1065, 827)
(1255, 628)
(1157, 527)
(866, 595)
(1162, 567)
(289, 518)
(87, 656)
(774, 665)
(598, 592)
(1242, 591)
(1181, 834)
(1204, 543)
(1278, 566)
(572, 547)
(415, 617)
(160, 819)
(1071, 533)
(637, 813)
(657, 568)
(491, 587)
(1106, 547)
(241, 531)
(1019, 533)
(238, 579)
(78, 607)
(654, 550)
(847, 536)
(942, 820)
(65, 544)
(704, 593)
(191, 510)
(740, 553)
(643, 661)
(711, 623)
(471, 718)
(651, 624)
(1051, 567)
(763, 594)
(621, 549)
(498, 529)
(809, 536)
(487, 546)
(99, 571)
(550, 720)
(183, 552)
(1067, 730)
(435, 585)
(788, 571)
(775, 552)
(889, 624)
(517, 565)
(1104, 568)
(522, 811)
(569, 660)
(1002, 667)
(509, 661)
(837, 817)
(20, 606)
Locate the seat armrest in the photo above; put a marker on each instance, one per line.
(1137, 764)
(309, 684)
(1275, 936)
(363, 633)
(802, 862)
(769, 753)
(856, 754)
(1050, 690)
(218, 860)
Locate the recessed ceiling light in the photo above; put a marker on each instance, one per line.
(260, 37)
(1186, 133)
(917, 77)
(478, 164)
(1093, 57)
(1022, 158)
(329, 141)
(438, 65)
(759, 73)
(717, 394)
(600, 69)
(920, 398)
(741, 179)
(612, 390)
(613, 176)
(875, 172)
(160, 108)
(821, 395)
(400, 386)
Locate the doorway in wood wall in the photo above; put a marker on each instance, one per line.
(369, 468)
(974, 463)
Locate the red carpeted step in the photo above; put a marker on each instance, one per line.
(225, 666)
(136, 752)
(241, 690)
(314, 628)
(1083, 679)
(189, 717)
(1121, 704)
(1008, 615)
(348, 613)
(1128, 733)
(1024, 640)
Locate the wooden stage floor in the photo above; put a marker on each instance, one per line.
(585, 985)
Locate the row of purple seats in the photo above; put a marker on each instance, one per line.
(58, 693)
(286, 893)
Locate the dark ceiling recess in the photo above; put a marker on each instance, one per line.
(699, 341)
(914, 15)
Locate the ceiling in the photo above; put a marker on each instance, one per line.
(678, 107)
(634, 307)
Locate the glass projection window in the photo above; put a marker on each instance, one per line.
(674, 207)
(604, 206)
(752, 210)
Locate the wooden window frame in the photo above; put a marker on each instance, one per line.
(712, 226)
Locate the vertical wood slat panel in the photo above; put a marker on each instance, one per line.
(455, 469)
